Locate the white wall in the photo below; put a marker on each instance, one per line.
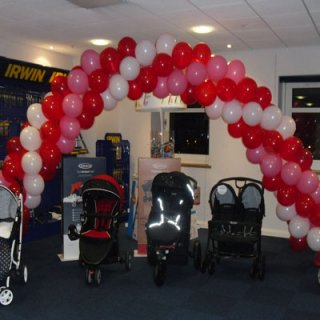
(227, 155)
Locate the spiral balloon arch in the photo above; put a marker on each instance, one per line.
(167, 67)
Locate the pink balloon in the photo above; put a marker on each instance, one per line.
(196, 73)
(72, 105)
(217, 67)
(78, 81)
(256, 155)
(69, 127)
(90, 61)
(291, 173)
(236, 71)
(316, 195)
(214, 110)
(177, 82)
(66, 145)
(271, 165)
(308, 182)
(161, 90)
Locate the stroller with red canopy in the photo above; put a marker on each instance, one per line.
(102, 200)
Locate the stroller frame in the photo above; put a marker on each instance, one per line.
(235, 229)
(13, 238)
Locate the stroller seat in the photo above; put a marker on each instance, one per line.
(5, 229)
(235, 227)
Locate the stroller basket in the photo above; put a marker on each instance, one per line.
(237, 207)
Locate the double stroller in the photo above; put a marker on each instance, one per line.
(11, 219)
(102, 200)
(168, 225)
(237, 207)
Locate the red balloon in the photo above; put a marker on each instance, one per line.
(50, 153)
(92, 103)
(305, 159)
(237, 129)
(305, 205)
(59, 85)
(272, 141)
(135, 91)
(206, 93)
(246, 90)
(252, 137)
(12, 168)
(24, 125)
(226, 89)
(188, 96)
(52, 107)
(182, 55)
(147, 79)
(98, 80)
(272, 183)
(263, 96)
(298, 244)
(315, 216)
(14, 145)
(291, 149)
(286, 195)
(110, 60)
(50, 131)
(162, 64)
(48, 172)
(201, 52)
(86, 120)
(127, 47)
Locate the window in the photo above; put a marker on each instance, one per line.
(301, 100)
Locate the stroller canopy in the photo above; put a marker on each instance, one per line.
(8, 204)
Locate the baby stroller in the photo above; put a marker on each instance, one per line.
(102, 199)
(11, 216)
(168, 225)
(235, 227)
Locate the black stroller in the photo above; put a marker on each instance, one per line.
(11, 219)
(235, 227)
(168, 226)
(102, 199)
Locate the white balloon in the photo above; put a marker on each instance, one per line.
(129, 68)
(299, 226)
(118, 87)
(31, 162)
(287, 127)
(165, 43)
(33, 184)
(109, 101)
(313, 239)
(31, 202)
(271, 118)
(285, 213)
(252, 113)
(35, 116)
(145, 52)
(232, 111)
(30, 138)
(215, 109)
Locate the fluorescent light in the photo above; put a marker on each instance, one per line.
(202, 29)
(100, 42)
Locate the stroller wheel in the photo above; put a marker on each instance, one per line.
(159, 273)
(22, 273)
(128, 260)
(88, 275)
(97, 276)
(6, 297)
(254, 268)
(197, 254)
(151, 256)
(262, 267)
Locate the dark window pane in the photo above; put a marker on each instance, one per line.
(306, 98)
(191, 132)
(308, 130)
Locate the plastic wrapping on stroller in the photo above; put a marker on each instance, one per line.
(237, 207)
(168, 225)
(11, 216)
(102, 200)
